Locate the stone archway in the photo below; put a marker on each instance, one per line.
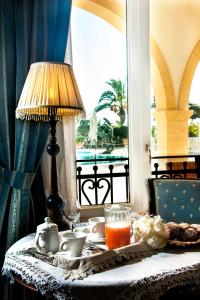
(172, 114)
(161, 79)
(111, 11)
(172, 121)
(188, 77)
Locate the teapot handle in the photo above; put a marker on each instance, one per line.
(42, 236)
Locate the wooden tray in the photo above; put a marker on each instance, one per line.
(182, 243)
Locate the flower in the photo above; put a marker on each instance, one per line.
(151, 230)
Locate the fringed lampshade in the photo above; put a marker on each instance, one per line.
(49, 93)
(50, 89)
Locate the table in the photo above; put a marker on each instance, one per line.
(148, 277)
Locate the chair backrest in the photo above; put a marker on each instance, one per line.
(176, 200)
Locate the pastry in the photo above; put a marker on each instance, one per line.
(190, 234)
(183, 232)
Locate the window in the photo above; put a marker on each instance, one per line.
(100, 66)
(138, 92)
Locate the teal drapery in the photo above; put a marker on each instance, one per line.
(30, 31)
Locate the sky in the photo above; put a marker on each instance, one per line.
(195, 87)
(99, 54)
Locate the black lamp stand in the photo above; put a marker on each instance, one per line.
(55, 204)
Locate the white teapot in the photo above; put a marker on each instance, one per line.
(47, 237)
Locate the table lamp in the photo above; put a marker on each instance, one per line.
(49, 93)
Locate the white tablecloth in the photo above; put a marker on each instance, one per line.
(144, 278)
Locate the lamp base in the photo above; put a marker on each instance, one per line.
(58, 218)
(56, 214)
(55, 204)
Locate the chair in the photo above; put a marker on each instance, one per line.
(176, 200)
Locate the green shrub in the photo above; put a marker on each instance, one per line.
(121, 132)
(193, 130)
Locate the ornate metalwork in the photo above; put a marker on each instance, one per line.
(181, 169)
(100, 181)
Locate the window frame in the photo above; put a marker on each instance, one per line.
(139, 110)
(139, 121)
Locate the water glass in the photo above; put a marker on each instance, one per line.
(73, 217)
(117, 225)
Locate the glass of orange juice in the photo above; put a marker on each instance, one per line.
(117, 225)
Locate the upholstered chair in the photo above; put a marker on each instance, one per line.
(176, 200)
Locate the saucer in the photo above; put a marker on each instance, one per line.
(91, 237)
(85, 229)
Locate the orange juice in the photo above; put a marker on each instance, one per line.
(117, 236)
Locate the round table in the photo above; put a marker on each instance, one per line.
(144, 278)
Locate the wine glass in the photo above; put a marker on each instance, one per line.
(73, 217)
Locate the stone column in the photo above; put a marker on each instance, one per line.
(172, 132)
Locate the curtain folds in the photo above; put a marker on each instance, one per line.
(66, 165)
(30, 31)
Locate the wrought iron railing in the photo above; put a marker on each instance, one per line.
(186, 166)
(99, 188)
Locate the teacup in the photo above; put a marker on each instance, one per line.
(97, 226)
(72, 243)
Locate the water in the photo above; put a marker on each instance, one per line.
(88, 154)
(119, 183)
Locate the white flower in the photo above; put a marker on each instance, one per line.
(151, 230)
(156, 242)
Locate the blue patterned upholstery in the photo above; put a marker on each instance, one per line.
(178, 200)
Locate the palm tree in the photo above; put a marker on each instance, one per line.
(114, 99)
(196, 110)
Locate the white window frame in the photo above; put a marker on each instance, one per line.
(138, 60)
(138, 40)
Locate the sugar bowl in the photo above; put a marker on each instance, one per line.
(47, 237)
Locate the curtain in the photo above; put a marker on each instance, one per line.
(30, 31)
(67, 139)
(66, 165)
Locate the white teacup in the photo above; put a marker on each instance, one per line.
(72, 243)
(97, 226)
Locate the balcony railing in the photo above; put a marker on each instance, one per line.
(176, 166)
(99, 187)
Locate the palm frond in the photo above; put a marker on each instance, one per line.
(115, 99)
(107, 121)
(118, 87)
(101, 107)
(107, 95)
(196, 110)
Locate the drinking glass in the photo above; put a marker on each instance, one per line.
(117, 226)
(74, 216)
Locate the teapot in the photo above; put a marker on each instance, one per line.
(47, 237)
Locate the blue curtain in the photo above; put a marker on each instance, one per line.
(30, 31)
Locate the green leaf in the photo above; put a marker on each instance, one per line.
(115, 96)
(101, 107)
(107, 95)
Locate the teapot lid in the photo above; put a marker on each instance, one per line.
(47, 225)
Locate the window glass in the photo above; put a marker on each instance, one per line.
(100, 67)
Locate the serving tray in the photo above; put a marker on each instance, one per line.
(92, 260)
(182, 243)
